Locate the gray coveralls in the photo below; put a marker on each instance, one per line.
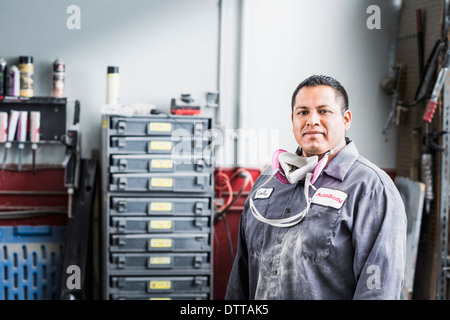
(350, 245)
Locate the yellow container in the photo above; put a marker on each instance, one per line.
(26, 69)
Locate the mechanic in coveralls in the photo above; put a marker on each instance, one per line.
(341, 237)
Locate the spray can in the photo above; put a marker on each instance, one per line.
(2, 76)
(12, 83)
(112, 85)
(58, 78)
(26, 69)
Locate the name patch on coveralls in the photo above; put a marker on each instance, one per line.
(263, 193)
(329, 198)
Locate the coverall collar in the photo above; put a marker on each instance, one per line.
(342, 162)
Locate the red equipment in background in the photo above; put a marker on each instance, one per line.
(33, 199)
(232, 187)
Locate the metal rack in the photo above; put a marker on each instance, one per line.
(53, 128)
(53, 114)
(443, 255)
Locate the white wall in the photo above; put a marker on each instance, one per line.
(285, 41)
(163, 48)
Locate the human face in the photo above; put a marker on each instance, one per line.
(317, 120)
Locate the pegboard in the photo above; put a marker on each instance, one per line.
(411, 130)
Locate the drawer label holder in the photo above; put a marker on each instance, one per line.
(161, 224)
(161, 182)
(160, 127)
(161, 243)
(161, 206)
(160, 285)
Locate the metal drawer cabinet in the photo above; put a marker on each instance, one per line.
(157, 209)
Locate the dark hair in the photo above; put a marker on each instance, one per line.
(321, 80)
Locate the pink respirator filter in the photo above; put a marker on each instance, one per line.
(276, 165)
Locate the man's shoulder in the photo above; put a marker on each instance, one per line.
(370, 172)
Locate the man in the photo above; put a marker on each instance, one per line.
(350, 240)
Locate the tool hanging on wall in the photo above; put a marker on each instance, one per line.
(420, 44)
(427, 76)
(428, 73)
(22, 135)
(71, 162)
(422, 92)
(35, 125)
(430, 147)
(391, 86)
(430, 138)
(432, 104)
(12, 126)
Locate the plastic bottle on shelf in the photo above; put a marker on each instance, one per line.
(112, 85)
(58, 78)
(12, 81)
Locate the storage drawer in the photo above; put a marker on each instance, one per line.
(157, 163)
(160, 242)
(160, 145)
(161, 296)
(160, 261)
(125, 206)
(160, 284)
(159, 225)
(170, 182)
(161, 125)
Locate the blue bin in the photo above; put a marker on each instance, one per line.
(30, 262)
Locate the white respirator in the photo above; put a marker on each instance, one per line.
(290, 168)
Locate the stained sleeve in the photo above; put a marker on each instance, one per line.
(379, 241)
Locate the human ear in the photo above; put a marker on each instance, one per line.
(347, 119)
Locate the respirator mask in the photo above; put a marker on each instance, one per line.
(290, 168)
